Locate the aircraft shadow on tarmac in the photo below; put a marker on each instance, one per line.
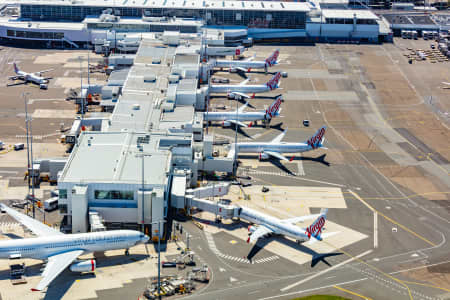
(277, 163)
(13, 236)
(228, 227)
(316, 257)
(62, 283)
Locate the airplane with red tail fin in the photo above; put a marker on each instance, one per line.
(276, 147)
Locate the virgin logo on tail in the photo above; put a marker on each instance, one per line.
(272, 84)
(314, 140)
(271, 60)
(238, 51)
(273, 108)
(315, 229)
(16, 69)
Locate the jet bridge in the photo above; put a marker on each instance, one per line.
(220, 208)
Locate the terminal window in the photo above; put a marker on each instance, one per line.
(62, 194)
(115, 195)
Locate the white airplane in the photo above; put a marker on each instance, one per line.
(60, 250)
(276, 147)
(447, 85)
(239, 91)
(236, 117)
(248, 65)
(31, 77)
(266, 225)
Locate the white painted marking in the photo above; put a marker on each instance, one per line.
(301, 171)
(325, 271)
(9, 172)
(232, 279)
(313, 289)
(375, 229)
(222, 270)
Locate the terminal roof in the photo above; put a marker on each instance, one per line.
(348, 14)
(183, 4)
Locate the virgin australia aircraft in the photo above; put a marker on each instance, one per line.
(249, 64)
(30, 77)
(276, 147)
(61, 250)
(267, 225)
(238, 91)
(236, 117)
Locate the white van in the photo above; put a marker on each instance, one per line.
(19, 146)
(51, 204)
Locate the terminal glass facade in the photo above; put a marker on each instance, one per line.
(250, 18)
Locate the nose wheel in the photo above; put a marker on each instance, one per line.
(127, 252)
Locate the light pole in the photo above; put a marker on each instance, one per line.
(25, 98)
(142, 156)
(235, 139)
(159, 255)
(32, 168)
(81, 87)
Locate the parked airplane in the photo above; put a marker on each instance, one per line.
(267, 225)
(31, 77)
(239, 91)
(237, 116)
(60, 250)
(276, 147)
(247, 65)
(447, 85)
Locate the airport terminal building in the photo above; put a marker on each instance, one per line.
(258, 20)
(150, 149)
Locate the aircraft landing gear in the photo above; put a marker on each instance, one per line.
(127, 252)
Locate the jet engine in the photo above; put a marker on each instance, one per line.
(84, 266)
(226, 124)
(231, 96)
(263, 156)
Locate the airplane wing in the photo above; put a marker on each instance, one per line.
(250, 58)
(242, 95)
(45, 71)
(324, 235)
(38, 228)
(278, 139)
(55, 265)
(258, 233)
(242, 108)
(296, 220)
(245, 81)
(237, 122)
(15, 77)
(241, 69)
(277, 155)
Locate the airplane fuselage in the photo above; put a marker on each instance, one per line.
(242, 64)
(44, 247)
(282, 147)
(225, 88)
(243, 116)
(275, 224)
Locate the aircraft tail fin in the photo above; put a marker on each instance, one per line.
(273, 58)
(315, 229)
(16, 68)
(274, 109)
(316, 140)
(274, 81)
